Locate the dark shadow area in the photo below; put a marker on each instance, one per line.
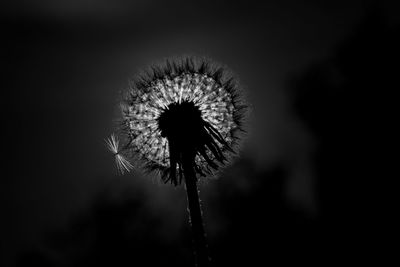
(112, 233)
(35, 258)
(346, 101)
(259, 227)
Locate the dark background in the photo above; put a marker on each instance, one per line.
(314, 73)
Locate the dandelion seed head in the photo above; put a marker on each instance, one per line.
(172, 96)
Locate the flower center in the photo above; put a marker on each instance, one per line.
(182, 124)
(188, 135)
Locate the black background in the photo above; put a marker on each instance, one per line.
(314, 74)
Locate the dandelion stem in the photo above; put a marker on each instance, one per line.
(199, 238)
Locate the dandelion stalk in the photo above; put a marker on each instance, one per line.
(196, 219)
(181, 119)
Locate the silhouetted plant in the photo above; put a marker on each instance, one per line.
(181, 118)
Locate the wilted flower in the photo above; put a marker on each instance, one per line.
(188, 103)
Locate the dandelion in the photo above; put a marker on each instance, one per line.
(181, 119)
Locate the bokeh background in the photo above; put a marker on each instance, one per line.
(298, 191)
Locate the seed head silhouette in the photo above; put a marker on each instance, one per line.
(181, 119)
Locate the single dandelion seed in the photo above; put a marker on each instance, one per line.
(122, 163)
(181, 119)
